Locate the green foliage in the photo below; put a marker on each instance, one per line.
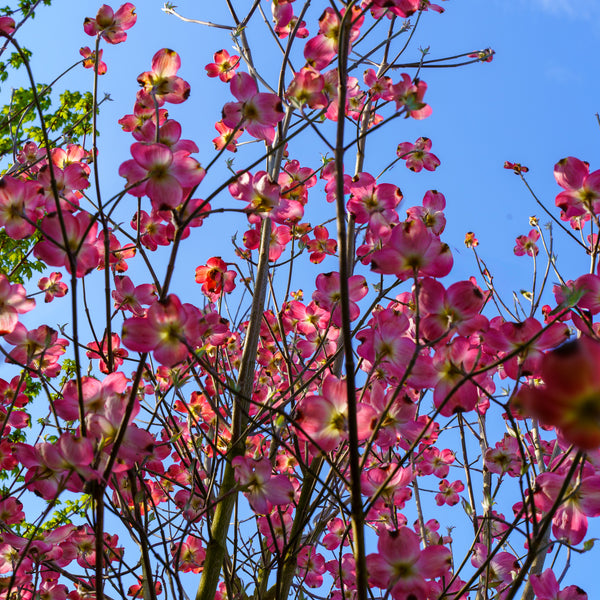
(72, 120)
(25, 7)
(64, 516)
(589, 544)
(15, 60)
(61, 516)
(15, 258)
(69, 369)
(32, 387)
(74, 116)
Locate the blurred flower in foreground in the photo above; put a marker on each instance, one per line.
(570, 398)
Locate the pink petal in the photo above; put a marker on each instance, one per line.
(243, 87)
(139, 335)
(151, 156)
(8, 320)
(125, 16)
(435, 561)
(166, 62)
(570, 173)
(166, 191)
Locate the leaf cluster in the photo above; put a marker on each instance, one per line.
(15, 259)
(25, 7)
(72, 119)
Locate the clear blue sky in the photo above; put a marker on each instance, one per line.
(534, 104)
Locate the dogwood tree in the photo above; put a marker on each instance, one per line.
(318, 407)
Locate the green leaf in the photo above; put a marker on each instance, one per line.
(589, 544)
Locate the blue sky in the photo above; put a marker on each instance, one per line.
(534, 104)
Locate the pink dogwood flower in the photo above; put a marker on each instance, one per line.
(323, 419)
(162, 175)
(457, 307)
(169, 134)
(227, 137)
(321, 246)
(485, 55)
(224, 66)
(570, 522)
(505, 457)
(39, 349)
(390, 482)
(588, 288)
(449, 492)
(378, 86)
(526, 244)
(398, 411)
(80, 239)
(13, 302)
(137, 589)
(153, 230)
(280, 236)
(503, 567)
(385, 344)
(189, 555)
(570, 398)
(391, 8)
(582, 188)
(455, 392)
(262, 490)
(435, 461)
(143, 110)
(286, 22)
(264, 199)
(374, 203)
(257, 113)
(431, 213)
(73, 153)
(311, 566)
(165, 329)
(99, 350)
(412, 248)
(511, 337)
(95, 396)
(70, 181)
(320, 50)
(276, 529)
(7, 25)
(21, 205)
(130, 297)
(111, 25)
(53, 287)
(11, 511)
(295, 181)
(418, 155)
(53, 467)
(546, 587)
(215, 278)
(162, 82)
(89, 60)
(32, 157)
(307, 88)
(327, 295)
(409, 95)
(402, 567)
(338, 534)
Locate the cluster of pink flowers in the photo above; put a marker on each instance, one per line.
(191, 431)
